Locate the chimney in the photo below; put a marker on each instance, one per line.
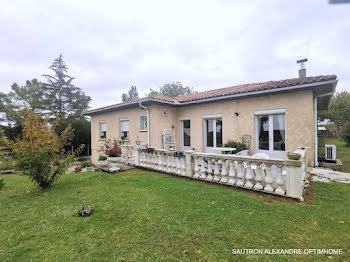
(302, 70)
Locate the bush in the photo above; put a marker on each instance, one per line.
(85, 164)
(111, 148)
(102, 158)
(345, 132)
(37, 149)
(239, 146)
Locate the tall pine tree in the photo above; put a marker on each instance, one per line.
(64, 98)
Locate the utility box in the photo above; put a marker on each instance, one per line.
(330, 152)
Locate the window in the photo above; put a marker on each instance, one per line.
(124, 129)
(103, 129)
(143, 123)
(272, 132)
(214, 132)
(186, 132)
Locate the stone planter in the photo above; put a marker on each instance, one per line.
(103, 163)
(113, 162)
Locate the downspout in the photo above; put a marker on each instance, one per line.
(143, 107)
(316, 128)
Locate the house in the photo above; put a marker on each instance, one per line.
(279, 116)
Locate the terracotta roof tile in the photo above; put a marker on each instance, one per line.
(238, 89)
(246, 88)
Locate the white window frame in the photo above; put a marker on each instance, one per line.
(271, 152)
(183, 147)
(145, 123)
(210, 117)
(120, 129)
(100, 129)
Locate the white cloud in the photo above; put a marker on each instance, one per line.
(111, 45)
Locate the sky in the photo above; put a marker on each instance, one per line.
(109, 46)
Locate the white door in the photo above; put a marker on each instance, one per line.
(271, 135)
(212, 134)
(185, 135)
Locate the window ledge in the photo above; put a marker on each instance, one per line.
(102, 139)
(142, 130)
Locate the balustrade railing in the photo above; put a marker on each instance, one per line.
(163, 161)
(275, 176)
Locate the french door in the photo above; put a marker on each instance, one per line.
(271, 135)
(185, 135)
(213, 134)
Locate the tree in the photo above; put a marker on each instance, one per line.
(173, 90)
(20, 98)
(131, 95)
(339, 113)
(38, 147)
(64, 99)
(82, 133)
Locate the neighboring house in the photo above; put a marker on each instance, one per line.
(278, 115)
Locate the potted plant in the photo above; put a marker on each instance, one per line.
(88, 165)
(114, 153)
(77, 169)
(102, 161)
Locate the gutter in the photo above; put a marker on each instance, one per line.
(143, 107)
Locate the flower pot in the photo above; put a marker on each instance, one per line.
(90, 169)
(77, 169)
(114, 159)
(293, 156)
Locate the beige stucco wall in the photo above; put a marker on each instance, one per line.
(299, 121)
(113, 127)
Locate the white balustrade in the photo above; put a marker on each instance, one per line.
(196, 167)
(224, 177)
(248, 176)
(183, 166)
(178, 166)
(232, 173)
(258, 177)
(209, 171)
(216, 171)
(240, 171)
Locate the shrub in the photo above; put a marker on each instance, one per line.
(85, 164)
(239, 146)
(111, 149)
(114, 151)
(102, 158)
(37, 149)
(345, 132)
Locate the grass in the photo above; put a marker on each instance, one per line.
(144, 216)
(343, 152)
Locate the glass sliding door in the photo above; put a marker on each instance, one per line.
(213, 134)
(186, 134)
(271, 135)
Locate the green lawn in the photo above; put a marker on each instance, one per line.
(144, 216)
(343, 152)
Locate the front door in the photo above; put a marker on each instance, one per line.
(185, 135)
(271, 135)
(213, 134)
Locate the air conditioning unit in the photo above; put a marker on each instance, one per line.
(331, 152)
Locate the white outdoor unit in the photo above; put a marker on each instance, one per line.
(331, 152)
